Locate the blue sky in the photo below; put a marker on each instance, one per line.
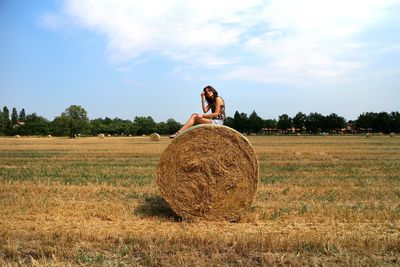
(127, 58)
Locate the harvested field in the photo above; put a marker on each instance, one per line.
(332, 200)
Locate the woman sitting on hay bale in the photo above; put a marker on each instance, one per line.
(214, 102)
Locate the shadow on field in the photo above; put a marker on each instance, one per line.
(156, 206)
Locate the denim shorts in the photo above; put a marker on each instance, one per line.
(217, 121)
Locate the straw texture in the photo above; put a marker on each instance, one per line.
(155, 137)
(209, 172)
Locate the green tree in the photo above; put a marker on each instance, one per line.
(14, 117)
(108, 127)
(162, 128)
(240, 122)
(6, 122)
(394, 121)
(315, 122)
(1, 123)
(299, 120)
(366, 120)
(173, 126)
(145, 125)
(255, 123)
(76, 120)
(333, 123)
(60, 126)
(125, 127)
(34, 125)
(378, 122)
(229, 121)
(121, 127)
(22, 115)
(14, 120)
(97, 126)
(284, 122)
(269, 123)
(383, 122)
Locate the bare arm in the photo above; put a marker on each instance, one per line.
(205, 107)
(216, 111)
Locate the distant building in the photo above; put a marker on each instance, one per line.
(18, 123)
(349, 129)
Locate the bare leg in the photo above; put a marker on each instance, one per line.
(190, 122)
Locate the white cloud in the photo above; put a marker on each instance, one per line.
(285, 41)
(178, 29)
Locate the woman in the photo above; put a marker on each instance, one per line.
(209, 100)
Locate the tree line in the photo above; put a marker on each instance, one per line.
(316, 123)
(74, 121)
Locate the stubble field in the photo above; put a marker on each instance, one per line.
(332, 200)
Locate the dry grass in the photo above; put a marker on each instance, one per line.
(90, 201)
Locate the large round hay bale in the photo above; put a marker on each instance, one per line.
(155, 137)
(209, 172)
(101, 136)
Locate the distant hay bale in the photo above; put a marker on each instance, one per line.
(101, 136)
(155, 137)
(17, 136)
(209, 172)
(367, 135)
(49, 136)
(392, 134)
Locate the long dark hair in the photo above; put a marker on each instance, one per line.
(211, 100)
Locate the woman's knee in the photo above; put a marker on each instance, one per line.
(194, 117)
